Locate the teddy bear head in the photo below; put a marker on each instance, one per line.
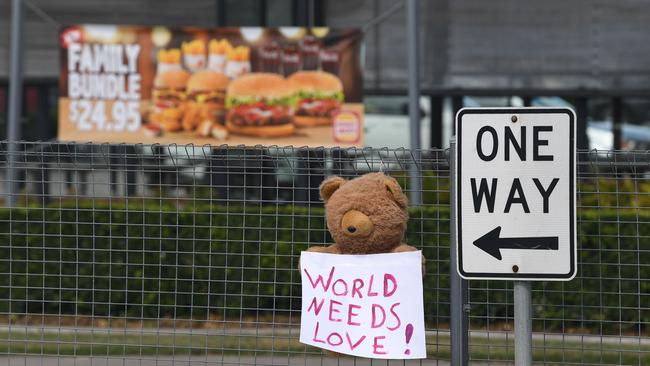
(365, 215)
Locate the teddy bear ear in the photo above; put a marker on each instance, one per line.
(395, 191)
(329, 186)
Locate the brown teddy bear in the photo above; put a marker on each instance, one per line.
(365, 215)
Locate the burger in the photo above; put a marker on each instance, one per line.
(208, 87)
(318, 96)
(169, 89)
(259, 104)
(205, 98)
(168, 97)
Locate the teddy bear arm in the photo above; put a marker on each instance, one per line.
(407, 248)
(403, 248)
(332, 249)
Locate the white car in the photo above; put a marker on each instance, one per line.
(387, 124)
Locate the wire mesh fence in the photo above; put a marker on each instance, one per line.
(602, 316)
(154, 254)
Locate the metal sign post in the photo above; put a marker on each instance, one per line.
(523, 324)
(459, 308)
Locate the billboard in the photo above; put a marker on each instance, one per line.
(237, 86)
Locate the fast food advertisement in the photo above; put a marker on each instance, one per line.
(211, 86)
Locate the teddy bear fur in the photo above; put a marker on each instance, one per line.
(375, 195)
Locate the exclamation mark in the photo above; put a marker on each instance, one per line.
(409, 334)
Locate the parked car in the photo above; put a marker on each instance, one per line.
(387, 123)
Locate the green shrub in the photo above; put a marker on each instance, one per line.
(155, 261)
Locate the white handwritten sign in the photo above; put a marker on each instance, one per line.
(363, 305)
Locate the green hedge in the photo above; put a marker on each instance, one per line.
(200, 261)
(593, 192)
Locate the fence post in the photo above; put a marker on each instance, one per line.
(412, 26)
(311, 165)
(130, 176)
(459, 307)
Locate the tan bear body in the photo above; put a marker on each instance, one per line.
(365, 215)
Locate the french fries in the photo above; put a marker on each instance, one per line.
(220, 47)
(239, 53)
(170, 56)
(195, 47)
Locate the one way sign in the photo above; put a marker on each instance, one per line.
(515, 193)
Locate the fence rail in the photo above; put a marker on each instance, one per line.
(153, 254)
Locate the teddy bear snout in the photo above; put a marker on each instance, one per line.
(356, 223)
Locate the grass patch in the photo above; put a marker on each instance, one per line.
(152, 342)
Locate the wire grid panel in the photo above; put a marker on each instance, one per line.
(153, 254)
(601, 317)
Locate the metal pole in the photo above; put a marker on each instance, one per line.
(436, 120)
(581, 122)
(459, 308)
(220, 14)
(311, 9)
(617, 118)
(523, 324)
(15, 100)
(412, 7)
(381, 17)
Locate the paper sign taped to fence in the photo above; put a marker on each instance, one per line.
(363, 305)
